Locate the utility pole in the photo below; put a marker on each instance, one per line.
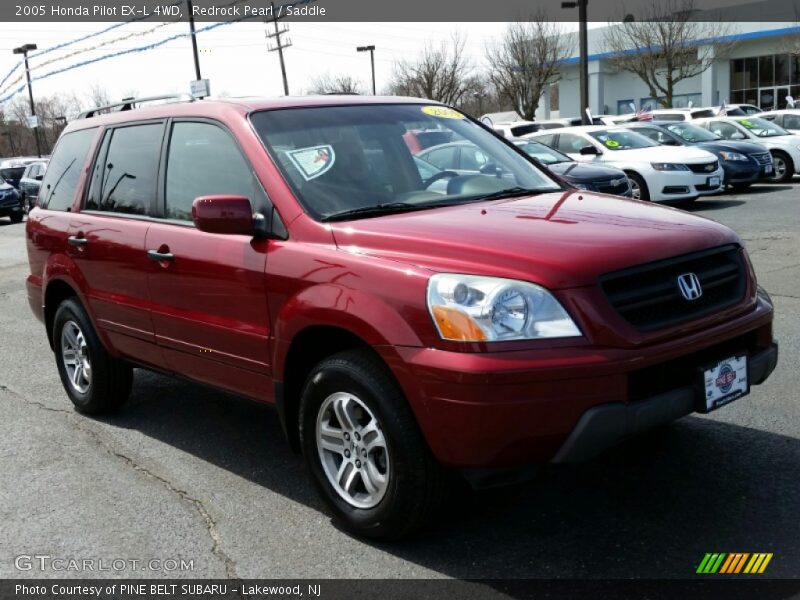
(371, 50)
(279, 45)
(24, 51)
(584, 55)
(194, 40)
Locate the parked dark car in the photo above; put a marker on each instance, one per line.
(10, 204)
(30, 182)
(596, 178)
(743, 162)
(404, 335)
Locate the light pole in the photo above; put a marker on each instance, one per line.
(24, 51)
(584, 55)
(190, 9)
(371, 50)
(480, 96)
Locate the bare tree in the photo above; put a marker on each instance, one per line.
(440, 73)
(97, 95)
(665, 46)
(339, 84)
(525, 62)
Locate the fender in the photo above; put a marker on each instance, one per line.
(60, 267)
(360, 313)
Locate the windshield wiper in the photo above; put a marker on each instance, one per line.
(378, 209)
(512, 192)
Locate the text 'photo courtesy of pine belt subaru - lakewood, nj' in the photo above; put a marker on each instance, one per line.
(408, 332)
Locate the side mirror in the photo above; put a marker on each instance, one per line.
(39, 177)
(223, 214)
(589, 150)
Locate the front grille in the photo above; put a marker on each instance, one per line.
(6, 201)
(617, 186)
(648, 296)
(763, 158)
(705, 167)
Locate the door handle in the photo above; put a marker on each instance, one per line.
(157, 256)
(77, 241)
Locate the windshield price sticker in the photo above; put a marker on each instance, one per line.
(611, 143)
(314, 161)
(442, 112)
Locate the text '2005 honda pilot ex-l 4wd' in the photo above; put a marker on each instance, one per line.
(408, 326)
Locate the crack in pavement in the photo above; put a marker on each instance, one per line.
(784, 296)
(210, 524)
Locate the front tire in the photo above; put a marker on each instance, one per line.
(783, 167)
(363, 449)
(639, 190)
(16, 217)
(95, 381)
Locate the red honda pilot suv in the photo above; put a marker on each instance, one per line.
(409, 322)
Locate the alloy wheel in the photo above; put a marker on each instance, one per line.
(779, 164)
(353, 450)
(75, 356)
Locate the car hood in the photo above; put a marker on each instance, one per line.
(558, 240)
(4, 187)
(670, 154)
(732, 146)
(783, 140)
(575, 171)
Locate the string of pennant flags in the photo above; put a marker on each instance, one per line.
(9, 91)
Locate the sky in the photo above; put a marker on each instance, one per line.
(234, 57)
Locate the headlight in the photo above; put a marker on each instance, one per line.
(471, 308)
(669, 167)
(732, 156)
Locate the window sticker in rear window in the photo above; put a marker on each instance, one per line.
(313, 161)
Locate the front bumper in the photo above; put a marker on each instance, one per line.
(740, 171)
(683, 185)
(515, 408)
(604, 426)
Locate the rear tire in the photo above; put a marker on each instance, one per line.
(95, 381)
(363, 449)
(740, 187)
(639, 189)
(783, 166)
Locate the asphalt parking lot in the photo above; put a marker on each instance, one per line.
(184, 472)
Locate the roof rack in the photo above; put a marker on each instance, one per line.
(131, 103)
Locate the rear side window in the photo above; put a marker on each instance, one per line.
(204, 160)
(63, 174)
(124, 178)
(791, 122)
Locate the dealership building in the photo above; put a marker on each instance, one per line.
(758, 69)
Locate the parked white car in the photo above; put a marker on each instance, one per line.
(682, 114)
(515, 129)
(788, 118)
(660, 173)
(783, 145)
(738, 110)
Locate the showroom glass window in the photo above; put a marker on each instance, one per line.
(765, 80)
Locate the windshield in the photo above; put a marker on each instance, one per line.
(622, 139)
(692, 133)
(761, 127)
(340, 159)
(543, 154)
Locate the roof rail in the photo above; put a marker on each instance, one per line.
(131, 103)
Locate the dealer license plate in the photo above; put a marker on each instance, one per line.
(713, 182)
(724, 382)
(768, 169)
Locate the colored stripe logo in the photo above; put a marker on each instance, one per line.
(734, 563)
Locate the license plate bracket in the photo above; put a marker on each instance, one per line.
(722, 382)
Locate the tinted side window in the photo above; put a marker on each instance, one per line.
(126, 180)
(547, 140)
(64, 171)
(791, 121)
(203, 160)
(570, 143)
(444, 158)
(723, 130)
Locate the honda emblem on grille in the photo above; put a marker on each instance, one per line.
(689, 285)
